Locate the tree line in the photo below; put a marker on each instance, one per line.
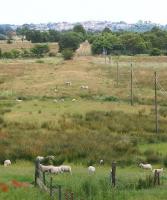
(152, 42)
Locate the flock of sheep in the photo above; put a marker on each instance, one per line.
(62, 168)
(91, 169)
(149, 167)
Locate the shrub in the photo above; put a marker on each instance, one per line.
(39, 50)
(67, 54)
(155, 52)
(163, 111)
(165, 161)
(7, 55)
(16, 53)
(52, 54)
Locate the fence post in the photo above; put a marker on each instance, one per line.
(59, 188)
(37, 163)
(156, 177)
(44, 180)
(113, 174)
(51, 189)
(72, 196)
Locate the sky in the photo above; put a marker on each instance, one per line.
(44, 11)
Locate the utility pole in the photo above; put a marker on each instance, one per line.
(156, 106)
(117, 73)
(131, 85)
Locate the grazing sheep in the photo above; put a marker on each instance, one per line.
(68, 83)
(145, 166)
(84, 87)
(19, 100)
(55, 100)
(101, 162)
(91, 170)
(40, 158)
(45, 168)
(160, 171)
(55, 170)
(7, 163)
(66, 168)
(73, 100)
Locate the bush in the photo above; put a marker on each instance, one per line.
(7, 55)
(39, 50)
(155, 52)
(165, 161)
(163, 111)
(67, 54)
(52, 54)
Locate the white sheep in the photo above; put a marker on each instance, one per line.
(68, 83)
(19, 100)
(66, 168)
(84, 87)
(7, 163)
(101, 162)
(91, 170)
(160, 171)
(73, 100)
(145, 166)
(40, 158)
(55, 170)
(45, 168)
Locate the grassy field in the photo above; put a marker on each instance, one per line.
(99, 124)
(24, 45)
(83, 185)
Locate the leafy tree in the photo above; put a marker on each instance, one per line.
(133, 43)
(106, 41)
(69, 40)
(106, 30)
(54, 36)
(79, 29)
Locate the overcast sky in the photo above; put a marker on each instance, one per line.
(36, 11)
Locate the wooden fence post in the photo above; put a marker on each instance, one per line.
(156, 178)
(51, 189)
(59, 189)
(44, 180)
(72, 196)
(113, 174)
(37, 163)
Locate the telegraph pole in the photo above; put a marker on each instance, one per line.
(117, 73)
(131, 85)
(156, 105)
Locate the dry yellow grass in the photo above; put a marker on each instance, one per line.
(25, 45)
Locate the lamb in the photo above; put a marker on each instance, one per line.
(66, 168)
(45, 168)
(55, 170)
(7, 163)
(145, 166)
(101, 162)
(84, 87)
(160, 171)
(91, 170)
(68, 83)
(40, 158)
(19, 100)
